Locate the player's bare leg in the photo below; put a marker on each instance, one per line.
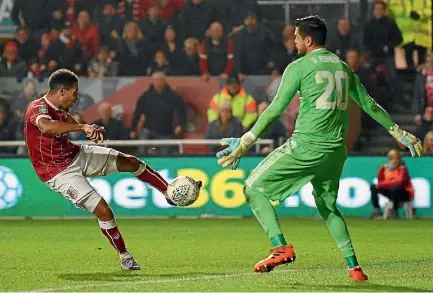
(143, 172)
(109, 228)
(281, 253)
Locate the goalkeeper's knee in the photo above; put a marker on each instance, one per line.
(251, 193)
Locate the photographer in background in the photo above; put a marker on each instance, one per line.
(393, 182)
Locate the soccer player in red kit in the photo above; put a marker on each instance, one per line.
(64, 166)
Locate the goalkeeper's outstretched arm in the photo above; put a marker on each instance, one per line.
(290, 83)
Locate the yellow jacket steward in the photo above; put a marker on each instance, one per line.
(243, 105)
(418, 31)
(423, 28)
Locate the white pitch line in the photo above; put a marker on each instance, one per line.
(199, 278)
(209, 277)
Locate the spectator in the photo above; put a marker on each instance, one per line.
(134, 53)
(34, 14)
(169, 9)
(20, 103)
(196, 18)
(244, 106)
(428, 143)
(343, 40)
(65, 51)
(171, 48)
(381, 36)
(35, 70)
(58, 9)
(393, 182)
(225, 126)
(130, 10)
(159, 64)
(84, 101)
(365, 74)
(102, 65)
(189, 59)
(114, 129)
(285, 54)
(288, 32)
(56, 30)
(45, 50)
(7, 130)
(153, 26)
(425, 123)
(423, 88)
(11, 65)
(216, 53)
(255, 44)
(87, 33)
(276, 132)
(78, 135)
(27, 46)
(109, 21)
(237, 11)
(159, 113)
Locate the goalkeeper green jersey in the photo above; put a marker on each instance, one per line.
(325, 84)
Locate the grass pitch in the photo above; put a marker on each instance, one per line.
(211, 255)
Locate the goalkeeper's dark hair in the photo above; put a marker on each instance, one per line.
(312, 26)
(62, 78)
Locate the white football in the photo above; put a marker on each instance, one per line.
(183, 191)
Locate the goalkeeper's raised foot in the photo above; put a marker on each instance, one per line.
(357, 274)
(283, 254)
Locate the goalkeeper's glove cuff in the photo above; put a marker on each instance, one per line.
(396, 131)
(248, 139)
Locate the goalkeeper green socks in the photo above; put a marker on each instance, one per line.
(278, 240)
(265, 214)
(351, 261)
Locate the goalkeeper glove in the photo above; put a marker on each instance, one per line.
(237, 147)
(408, 140)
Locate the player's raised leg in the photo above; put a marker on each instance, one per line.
(278, 176)
(143, 172)
(326, 184)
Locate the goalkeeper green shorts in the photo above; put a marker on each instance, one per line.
(285, 170)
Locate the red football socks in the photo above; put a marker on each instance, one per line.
(153, 178)
(110, 230)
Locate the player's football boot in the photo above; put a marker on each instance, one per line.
(128, 263)
(283, 254)
(357, 274)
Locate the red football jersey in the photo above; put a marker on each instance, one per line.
(50, 155)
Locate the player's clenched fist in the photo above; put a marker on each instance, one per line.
(94, 132)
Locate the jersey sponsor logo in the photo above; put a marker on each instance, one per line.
(43, 109)
(72, 193)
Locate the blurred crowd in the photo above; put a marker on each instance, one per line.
(160, 38)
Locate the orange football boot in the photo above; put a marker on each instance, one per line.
(283, 254)
(357, 274)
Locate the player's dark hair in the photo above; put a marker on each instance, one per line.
(380, 2)
(62, 78)
(312, 26)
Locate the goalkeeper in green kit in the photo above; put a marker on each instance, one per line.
(316, 151)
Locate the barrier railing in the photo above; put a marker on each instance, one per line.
(163, 142)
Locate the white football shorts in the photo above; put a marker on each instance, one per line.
(72, 182)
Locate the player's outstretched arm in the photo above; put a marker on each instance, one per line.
(237, 147)
(55, 127)
(289, 86)
(358, 92)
